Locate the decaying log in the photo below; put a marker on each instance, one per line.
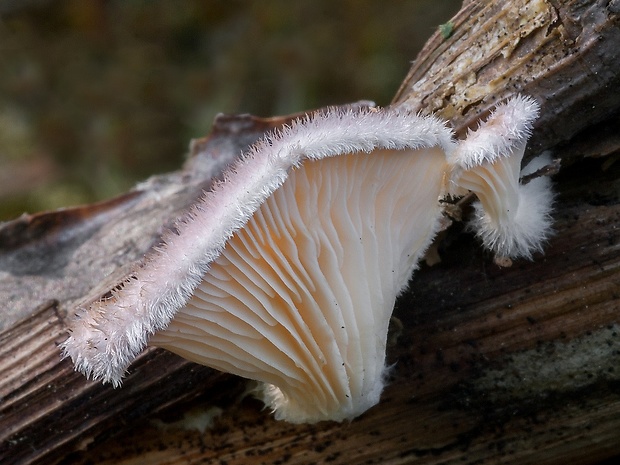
(512, 365)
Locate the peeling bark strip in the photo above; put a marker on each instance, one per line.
(463, 387)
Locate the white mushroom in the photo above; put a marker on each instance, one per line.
(287, 272)
(511, 219)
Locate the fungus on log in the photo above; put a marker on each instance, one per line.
(493, 364)
(287, 271)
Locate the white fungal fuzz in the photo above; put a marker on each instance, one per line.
(287, 272)
(524, 224)
(511, 220)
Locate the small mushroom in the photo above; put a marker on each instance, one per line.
(511, 220)
(287, 272)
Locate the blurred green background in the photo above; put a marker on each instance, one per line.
(96, 95)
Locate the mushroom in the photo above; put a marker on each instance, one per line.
(511, 220)
(287, 272)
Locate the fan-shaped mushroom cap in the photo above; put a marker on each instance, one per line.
(288, 271)
(301, 297)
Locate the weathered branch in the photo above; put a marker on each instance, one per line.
(516, 364)
(563, 53)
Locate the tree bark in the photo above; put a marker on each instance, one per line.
(511, 365)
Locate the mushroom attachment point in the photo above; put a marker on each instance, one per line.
(288, 270)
